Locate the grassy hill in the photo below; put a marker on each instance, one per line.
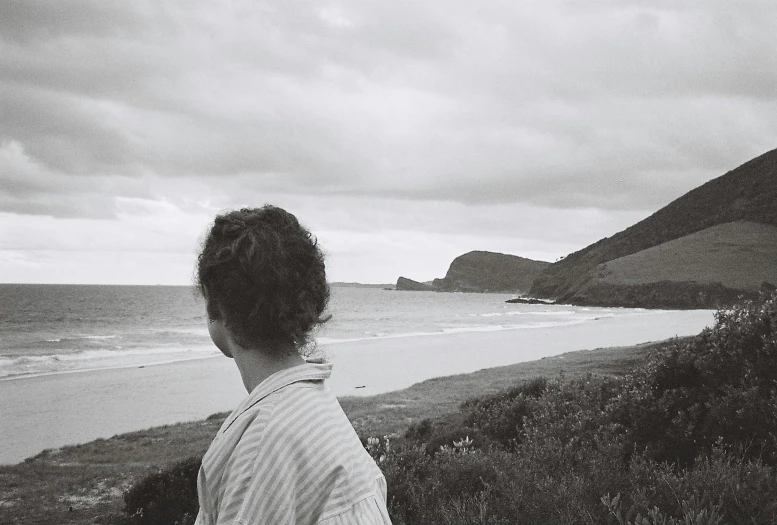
(711, 267)
(739, 255)
(747, 193)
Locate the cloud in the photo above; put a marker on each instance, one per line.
(426, 128)
(31, 188)
(565, 104)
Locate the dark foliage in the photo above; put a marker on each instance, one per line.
(664, 294)
(721, 386)
(687, 438)
(168, 497)
(500, 416)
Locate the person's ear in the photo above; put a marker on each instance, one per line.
(220, 335)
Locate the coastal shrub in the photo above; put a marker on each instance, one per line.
(500, 416)
(740, 490)
(420, 432)
(573, 412)
(167, 497)
(433, 436)
(454, 486)
(552, 482)
(448, 436)
(720, 386)
(693, 514)
(687, 438)
(407, 471)
(501, 486)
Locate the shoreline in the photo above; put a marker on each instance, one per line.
(85, 483)
(65, 409)
(324, 342)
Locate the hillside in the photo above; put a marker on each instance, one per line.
(747, 193)
(480, 271)
(713, 267)
(740, 255)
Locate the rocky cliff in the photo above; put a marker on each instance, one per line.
(403, 283)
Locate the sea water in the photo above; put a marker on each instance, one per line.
(377, 340)
(54, 329)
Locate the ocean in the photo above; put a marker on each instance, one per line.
(55, 329)
(75, 361)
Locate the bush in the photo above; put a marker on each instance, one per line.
(500, 417)
(719, 386)
(722, 485)
(168, 497)
(741, 489)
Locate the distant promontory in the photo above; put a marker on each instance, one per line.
(481, 271)
(403, 283)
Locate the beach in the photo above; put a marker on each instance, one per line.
(62, 409)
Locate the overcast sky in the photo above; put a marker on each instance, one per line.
(401, 133)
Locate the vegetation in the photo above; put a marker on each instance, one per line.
(663, 294)
(690, 437)
(166, 497)
(687, 438)
(747, 193)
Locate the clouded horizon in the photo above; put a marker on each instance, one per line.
(402, 134)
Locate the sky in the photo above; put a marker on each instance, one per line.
(402, 134)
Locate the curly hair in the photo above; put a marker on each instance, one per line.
(263, 274)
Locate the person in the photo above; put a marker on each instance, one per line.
(287, 454)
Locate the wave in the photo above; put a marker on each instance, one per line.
(13, 367)
(458, 329)
(71, 339)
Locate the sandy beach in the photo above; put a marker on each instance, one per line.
(56, 410)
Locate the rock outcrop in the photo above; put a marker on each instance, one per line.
(403, 283)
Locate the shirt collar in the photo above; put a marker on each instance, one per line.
(278, 380)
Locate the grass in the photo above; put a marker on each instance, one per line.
(84, 483)
(738, 255)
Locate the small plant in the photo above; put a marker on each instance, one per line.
(378, 448)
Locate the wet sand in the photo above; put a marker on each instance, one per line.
(57, 410)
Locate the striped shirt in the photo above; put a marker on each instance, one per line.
(288, 455)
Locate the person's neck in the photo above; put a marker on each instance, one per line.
(257, 364)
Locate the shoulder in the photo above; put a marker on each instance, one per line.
(304, 415)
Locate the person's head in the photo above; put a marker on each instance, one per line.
(262, 275)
